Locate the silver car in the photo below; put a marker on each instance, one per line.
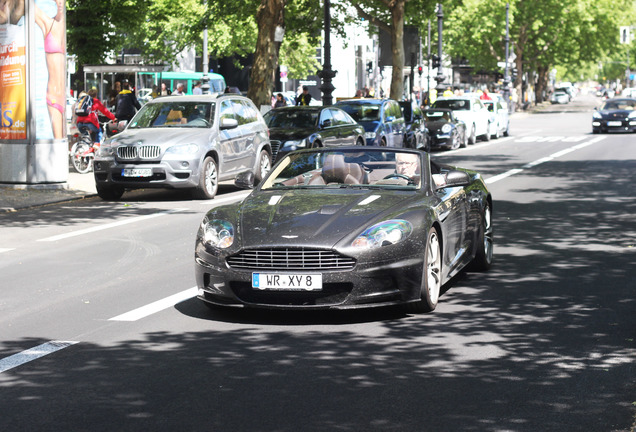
(185, 142)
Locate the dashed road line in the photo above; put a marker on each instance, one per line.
(109, 225)
(537, 162)
(157, 306)
(31, 354)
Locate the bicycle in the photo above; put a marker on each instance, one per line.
(82, 153)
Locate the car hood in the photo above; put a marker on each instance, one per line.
(615, 113)
(282, 134)
(434, 126)
(370, 126)
(161, 136)
(320, 217)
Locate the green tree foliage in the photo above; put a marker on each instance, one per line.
(543, 33)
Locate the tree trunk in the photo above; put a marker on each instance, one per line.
(270, 14)
(543, 75)
(397, 48)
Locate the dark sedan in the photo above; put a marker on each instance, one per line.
(446, 130)
(338, 228)
(298, 127)
(615, 115)
(417, 135)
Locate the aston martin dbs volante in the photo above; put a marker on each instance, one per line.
(345, 227)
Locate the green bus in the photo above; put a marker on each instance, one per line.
(188, 79)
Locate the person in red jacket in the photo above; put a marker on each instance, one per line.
(91, 122)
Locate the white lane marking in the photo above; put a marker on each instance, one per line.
(542, 160)
(477, 146)
(6, 249)
(110, 225)
(157, 306)
(26, 356)
(227, 199)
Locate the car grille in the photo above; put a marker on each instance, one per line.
(138, 152)
(290, 259)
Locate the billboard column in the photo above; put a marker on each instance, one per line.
(33, 142)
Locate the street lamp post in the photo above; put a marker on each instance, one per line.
(506, 82)
(327, 74)
(440, 73)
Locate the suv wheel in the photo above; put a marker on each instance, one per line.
(264, 165)
(208, 180)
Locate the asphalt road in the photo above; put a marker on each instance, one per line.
(99, 330)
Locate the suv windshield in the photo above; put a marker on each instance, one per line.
(175, 114)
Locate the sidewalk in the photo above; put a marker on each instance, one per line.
(16, 197)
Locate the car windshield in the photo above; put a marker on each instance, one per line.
(436, 115)
(369, 169)
(362, 112)
(291, 118)
(174, 114)
(454, 104)
(620, 104)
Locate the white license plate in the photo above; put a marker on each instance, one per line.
(614, 123)
(136, 172)
(287, 282)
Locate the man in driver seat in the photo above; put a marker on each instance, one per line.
(408, 164)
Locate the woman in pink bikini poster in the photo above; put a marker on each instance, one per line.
(50, 17)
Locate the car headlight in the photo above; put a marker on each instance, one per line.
(597, 115)
(446, 128)
(632, 114)
(105, 151)
(295, 144)
(183, 149)
(217, 233)
(383, 234)
(369, 135)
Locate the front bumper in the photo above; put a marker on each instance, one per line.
(367, 284)
(172, 174)
(441, 141)
(614, 125)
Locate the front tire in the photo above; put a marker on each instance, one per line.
(81, 164)
(208, 180)
(264, 165)
(109, 193)
(431, 277)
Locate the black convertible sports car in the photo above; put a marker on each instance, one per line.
(615, 115)
(298, 127)
(345, 228)
(446, 130)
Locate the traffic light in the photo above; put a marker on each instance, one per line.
(420, 70)
(436, 63)
(370, 68)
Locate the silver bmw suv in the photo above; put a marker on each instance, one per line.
(185, 142)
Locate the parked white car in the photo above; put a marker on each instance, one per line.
(500, 119)
(471, 111)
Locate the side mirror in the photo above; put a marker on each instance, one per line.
(228, 123)
(121, 125)
(326, 123)
(244, 180)
(457, 178)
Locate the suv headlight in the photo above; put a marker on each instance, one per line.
(597, 115)
(632, 115)
(216, 233)
(105, 151)
(369, 135)
(384, 233)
